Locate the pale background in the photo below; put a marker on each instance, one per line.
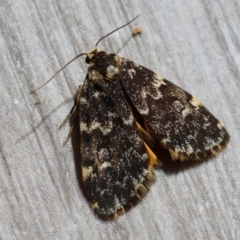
(195, 44)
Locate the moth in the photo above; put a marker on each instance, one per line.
(122, 108)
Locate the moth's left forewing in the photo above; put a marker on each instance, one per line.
(116, 172)
(179, 120)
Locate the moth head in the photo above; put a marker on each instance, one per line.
(108, 65)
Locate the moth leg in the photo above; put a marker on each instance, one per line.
(147, 139)
(111, 80)
(72, 114)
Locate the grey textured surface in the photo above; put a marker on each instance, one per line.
(195, 44)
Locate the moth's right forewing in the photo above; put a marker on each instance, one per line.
(180, 121)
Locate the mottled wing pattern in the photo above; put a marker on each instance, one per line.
(180, 122)
(115, 165)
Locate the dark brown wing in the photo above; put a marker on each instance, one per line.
(180, 122)
(115, 165)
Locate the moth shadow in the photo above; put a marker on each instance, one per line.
(42, 121)
(173, 167)
(76, 144)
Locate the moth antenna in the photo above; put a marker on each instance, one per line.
(84, 53)
(58, 71)
(116, 30)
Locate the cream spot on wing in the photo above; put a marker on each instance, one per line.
(212, 143)
(131, 73)
(83, 126)
(103, 154)
(104, 165)
(178, 151)
(158, 81)
(141, 178)
(96, 94)
(157, 96)
(178, 106)
(143, 111)
(195, 102)
(186, 111)
(145, 156)
(117, 204)
(83, 100)
(189, 149)
(206, 125)
(145, 172)
(220, 126)
(129, 121)
(165, 140)
(96, 125)
(136, 65)
(135, 183)
(104, 129)
(174, 154)
(154, 93)
(141, 189)
(143, 93)
(154, 90)
(95, 205)
(86, 172)
(111, 71)
(112, 115)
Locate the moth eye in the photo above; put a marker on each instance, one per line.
(87, 60)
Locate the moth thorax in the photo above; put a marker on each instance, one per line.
(106, 64)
